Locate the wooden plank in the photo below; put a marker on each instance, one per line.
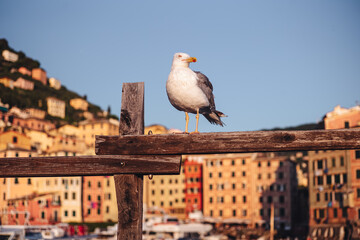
(104, 165)
(129, 188)
(230, 142)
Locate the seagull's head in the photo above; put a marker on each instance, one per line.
(182, 60)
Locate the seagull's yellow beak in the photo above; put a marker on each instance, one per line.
(190, 59)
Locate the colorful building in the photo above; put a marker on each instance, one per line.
(55, 107)
(54, 83)
(79, 104)
(7, 82)
(39, 75)
(335, 175)
(24, 84)
(240, 188)
(9, 56)
(24, 71)
(193, 184)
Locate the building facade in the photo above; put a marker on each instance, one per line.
(39, 75)
(55, 107)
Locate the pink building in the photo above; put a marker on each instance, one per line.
(24, 84)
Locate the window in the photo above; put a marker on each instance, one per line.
(210, 186)
(320, 180)
(358, 174)
(233, 174)
(259, 176)
(74, 195)
(210, 199)
(65, 213)
(328, 179)
(344, 213)
(333, 162)
(89, 211)
(244, 199)
(232, 162)
(234, 199)
(220, 213)
(220, 175)
(98, 211)
(282, 212)
(281, 164)
(99, 198)
(243, 162)
(42, 215)
(269, 199)
(244, 212)
(15, 140)
(261, 199)
(261, 212)
(337, 178)
(211, 213)
(326, 196)
(234, 213)
(233, 186)
(244, 173)
(357, 154)
(346, 124)
(89, 184)
(318, 197)
(280, 175)
(321, 213)
(29, 181)
(320, 164)
(341, 161)
(16, 181)
(282, 199)
(259, 164)
(335, 213)
(344, 178)
(269, 164)
(210, 175)
(89, 197)
(358, 192)
(99, 184)
(74, 213)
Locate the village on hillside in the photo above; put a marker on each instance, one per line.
(232, 192)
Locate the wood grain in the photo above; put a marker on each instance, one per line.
(104, 165)
(230, 142)
(129, 188)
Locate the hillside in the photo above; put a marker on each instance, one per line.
(36, 98)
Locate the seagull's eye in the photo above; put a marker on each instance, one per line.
(179, 56)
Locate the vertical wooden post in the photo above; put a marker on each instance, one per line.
(129, 188)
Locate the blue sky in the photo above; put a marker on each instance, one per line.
(272, 63)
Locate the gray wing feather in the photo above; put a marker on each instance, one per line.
(205, 85)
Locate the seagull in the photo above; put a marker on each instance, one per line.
(191, 91)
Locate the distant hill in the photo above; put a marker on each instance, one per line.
(306, 126)
(36, 98)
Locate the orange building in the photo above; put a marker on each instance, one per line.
(39, 74)
(349, 118)
(93, 197)
(240, 188)
(24, 71)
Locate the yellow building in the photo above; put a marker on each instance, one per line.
(55, 107)
(90, 128)
(166, 192)
(79, 103)
(54, 83)
(14, 139)
(40, 139)
(36, 113)
(7, 82)
(109, 206)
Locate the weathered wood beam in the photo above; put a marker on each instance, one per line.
(104, 165)
(129, 188)
(230, 142)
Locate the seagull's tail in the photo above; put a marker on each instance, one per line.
(214, 117)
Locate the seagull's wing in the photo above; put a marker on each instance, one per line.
(205, 85)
